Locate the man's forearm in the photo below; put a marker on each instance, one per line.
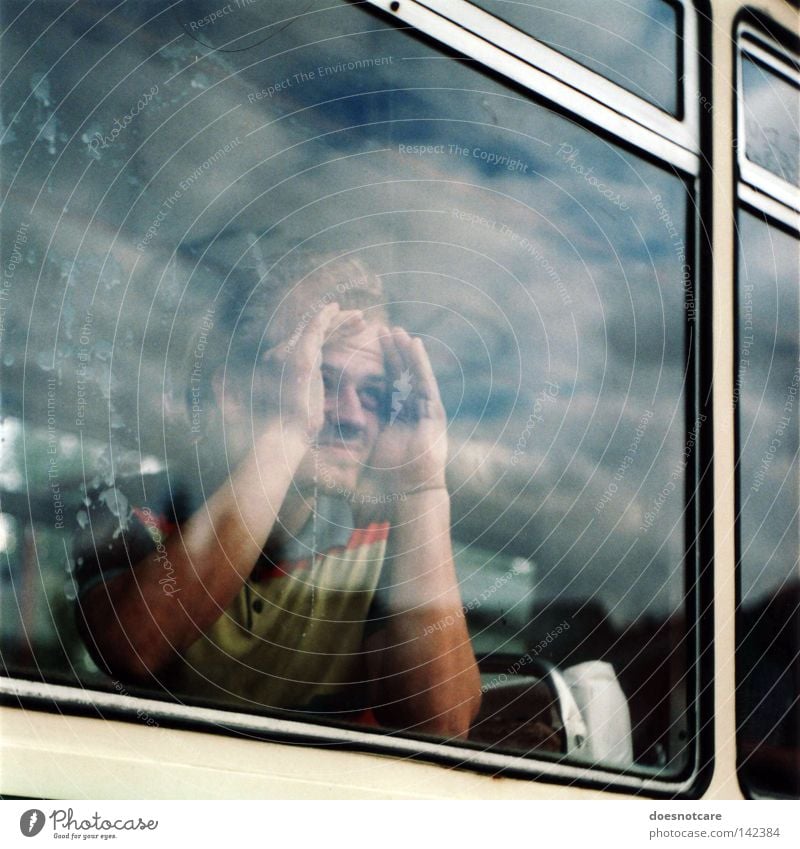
(136, 624)
(428, 679)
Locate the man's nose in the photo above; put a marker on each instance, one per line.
(344, 406)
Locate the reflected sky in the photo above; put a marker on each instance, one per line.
(633, 43)
(772, 121)
(768, 384)
(546, 269)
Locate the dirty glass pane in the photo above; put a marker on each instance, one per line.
(633, 43)
(768, 382)
(166, 171)
(771, 120)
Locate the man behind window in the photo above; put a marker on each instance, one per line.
(268, 591)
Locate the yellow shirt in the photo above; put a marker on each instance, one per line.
(294, 634)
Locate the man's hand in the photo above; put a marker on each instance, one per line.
(411, 451)
(288, 386)
(424, 676)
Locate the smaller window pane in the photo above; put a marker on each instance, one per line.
(633, 43)
(768, 623)
(771, 120)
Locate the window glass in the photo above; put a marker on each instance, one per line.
(771, 119)
(769, 498)
(178, 220)
(633, 43)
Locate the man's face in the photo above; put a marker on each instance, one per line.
(355, 386)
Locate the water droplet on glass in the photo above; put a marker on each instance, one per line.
(92, 138)
(44, 360)
(521, 566)
(102, 350)
(83, 519)
(112, 272)
(117, 505)
(40, 86)
(68, 272)
(47, 132)
(7, 135)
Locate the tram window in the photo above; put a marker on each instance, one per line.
(634, 44)
(768, 384)
(765, 395)
(157, 191)
(771, 120)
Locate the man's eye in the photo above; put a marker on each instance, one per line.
(372, 399)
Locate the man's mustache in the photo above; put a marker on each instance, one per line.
(341, 432)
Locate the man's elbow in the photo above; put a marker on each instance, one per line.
(139, 666)
(443, 711)
(124, 653)
(126, 661)
(455, 722)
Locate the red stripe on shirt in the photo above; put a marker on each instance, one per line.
(154, 520)
(376, 532)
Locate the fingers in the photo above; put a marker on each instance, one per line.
(348, 322)
(395, 362)
(313, 337)
(406, 355)
(330, 320)
(428, 387)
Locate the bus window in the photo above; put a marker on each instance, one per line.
(633, 44)
(766, 398)
(771, 119)
(769, 481)
(188, 195)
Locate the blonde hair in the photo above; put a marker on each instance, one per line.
(261, 305)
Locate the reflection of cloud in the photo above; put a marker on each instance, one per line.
(769, 408)
(515, 277)
(772, 120)
(633, 44)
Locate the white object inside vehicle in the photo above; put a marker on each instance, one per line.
(603, 734)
